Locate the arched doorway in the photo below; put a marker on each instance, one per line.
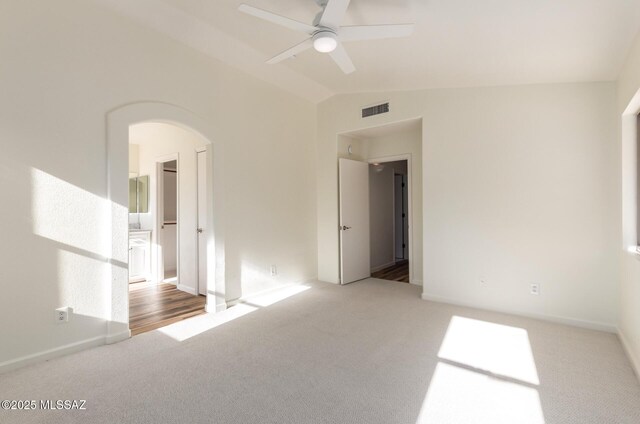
(118, 123)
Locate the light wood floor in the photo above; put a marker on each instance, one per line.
(154, 306)
(397, 272)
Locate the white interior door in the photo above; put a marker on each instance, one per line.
(354, 221)
(202, 222)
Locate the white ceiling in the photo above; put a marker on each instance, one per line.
(457, 43)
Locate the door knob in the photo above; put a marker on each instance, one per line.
(345, 228)
(200, 230)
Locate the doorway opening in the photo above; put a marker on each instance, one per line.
(118, 137)
(380, 203)
(389, 220)
(169, 288)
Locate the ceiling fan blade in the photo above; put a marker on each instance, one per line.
(333, 13)
(341, 57)
(277, 19)
(298, 48)
(374, 32)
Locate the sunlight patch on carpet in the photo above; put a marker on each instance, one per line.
(498, 349)
(459, 395)
(191, 327)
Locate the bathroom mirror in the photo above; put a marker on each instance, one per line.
(139, 194)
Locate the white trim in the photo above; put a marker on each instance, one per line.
(218, 308)
(248, 297)
(271, 289)
(626, 346)
(416, 282)
(187, 289)
(394, 158)
(629, 173)
(383, 266)
(393, 216)
(592, 325)
(232, 303)
(52, 353)
(115, 338)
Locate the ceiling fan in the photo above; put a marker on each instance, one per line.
(326, 34)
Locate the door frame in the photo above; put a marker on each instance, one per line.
(395, 158)
(159, 221)
(404, 181)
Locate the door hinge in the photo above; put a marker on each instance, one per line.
(402, 185)
(404, 245)
(404, 215)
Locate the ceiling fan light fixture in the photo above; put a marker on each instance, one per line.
(325, 41)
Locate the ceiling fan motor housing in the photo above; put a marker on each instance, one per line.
(325, 41)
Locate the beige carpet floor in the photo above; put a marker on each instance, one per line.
(369, 352)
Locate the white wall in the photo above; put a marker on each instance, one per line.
(134, 159)
(78, 62)
(519, 186)
(629, 316)
(381, 222)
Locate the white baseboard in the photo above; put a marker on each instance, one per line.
(633, 358)
(233, 302)
(187, 289)
(229, 303)
(270, 290)
(379, 267)
(51, 353)
(553, 318)
(115, 338)
(212, 309)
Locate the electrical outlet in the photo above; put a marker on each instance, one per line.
(535, 289)
(62, 315)
(274, 271)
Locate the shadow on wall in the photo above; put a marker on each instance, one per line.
(74, 221)
(58, 256)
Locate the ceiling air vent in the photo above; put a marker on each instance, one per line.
(375, 110)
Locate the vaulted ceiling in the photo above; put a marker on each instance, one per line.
(456, 43)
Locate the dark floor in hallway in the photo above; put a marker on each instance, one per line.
(397, 272)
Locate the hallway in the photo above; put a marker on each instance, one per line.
(397, 272)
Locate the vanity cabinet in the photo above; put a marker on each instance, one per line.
(139, 255)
